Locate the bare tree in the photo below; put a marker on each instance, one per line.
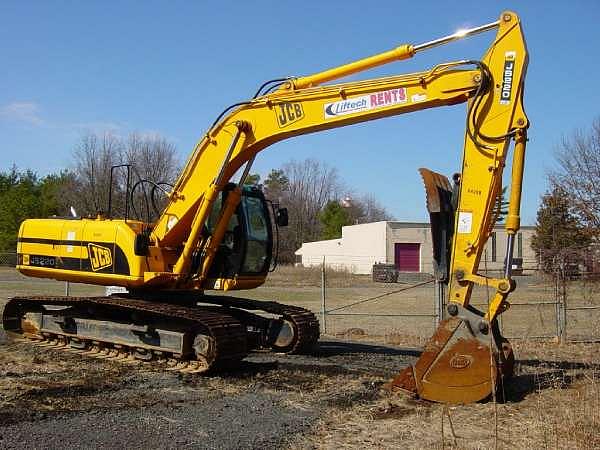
(311, 185)
(304, 187)
(578, 175)
(93, 157)
(154, 166)
(365, 208)
(152, 158)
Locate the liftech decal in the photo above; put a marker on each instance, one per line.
(365, 103)
(507, 79)
(100, 257)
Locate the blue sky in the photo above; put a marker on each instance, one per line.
(171, 67)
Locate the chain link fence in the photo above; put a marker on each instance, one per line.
(557, 307)
(8, 259)
(564, 306)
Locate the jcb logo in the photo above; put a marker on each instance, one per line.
(100, 257)
(288, 113)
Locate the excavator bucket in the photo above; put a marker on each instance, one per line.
(465, 359)
(458, 365)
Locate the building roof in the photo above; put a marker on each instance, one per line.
(401, 224)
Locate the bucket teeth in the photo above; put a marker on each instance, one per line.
(437, 189)
(405, 382)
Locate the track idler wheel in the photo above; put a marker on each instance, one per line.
(286, 336)
(460, 364)
(294, 333)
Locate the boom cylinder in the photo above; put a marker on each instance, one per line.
(513, 219)
(456, 36)
(403, 52)
(397, 54)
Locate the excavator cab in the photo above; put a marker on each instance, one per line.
(247, 246)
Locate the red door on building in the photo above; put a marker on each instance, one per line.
(407, 257)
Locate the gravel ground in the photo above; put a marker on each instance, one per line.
(250, 420)
(53, 399)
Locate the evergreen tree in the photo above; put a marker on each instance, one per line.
(276, 184)
(333, 217)
(22, 196)
(252, 179)
(559, 234)
(501, 206)
(19, 199)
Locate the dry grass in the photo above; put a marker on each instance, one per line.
(553, 403)
(288, 275)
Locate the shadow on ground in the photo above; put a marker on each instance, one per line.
(539, 375)
(335, 348)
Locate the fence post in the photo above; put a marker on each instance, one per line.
(563, 297)
(323, 306)
(439, 301)
(560, 295)
(558, 310)
(67, 288)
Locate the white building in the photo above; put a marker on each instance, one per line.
(405, 244)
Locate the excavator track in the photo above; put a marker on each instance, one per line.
(302, 325)
(229, 330)
(210, 339)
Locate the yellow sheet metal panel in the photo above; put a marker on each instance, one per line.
(70, 248)
(125, 233)
(38, 243)
(80, 250)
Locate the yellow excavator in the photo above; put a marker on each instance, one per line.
(217, 235)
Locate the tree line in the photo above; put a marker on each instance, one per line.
(567, 229)
(319, 203)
